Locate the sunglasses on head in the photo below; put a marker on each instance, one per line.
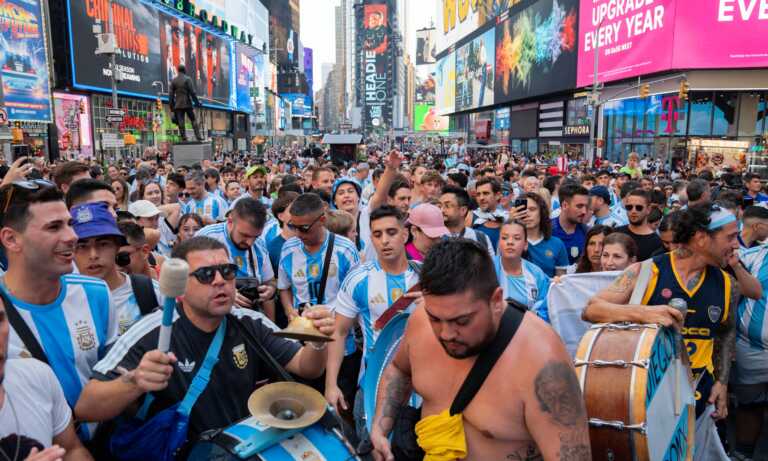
(303, 228)
(206, 274)
(636, 207)
(29, 185)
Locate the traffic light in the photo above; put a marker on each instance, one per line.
(684, 88)
(17, 135)
(645, 90)
(159, 104)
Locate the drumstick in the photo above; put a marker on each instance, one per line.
(173, 283)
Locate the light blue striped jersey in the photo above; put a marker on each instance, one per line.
(266, 201)
(271, 230)
(752, 321)
(240, 257)
(367, 292)
(529, 289)
(126, 308)
(73, 330)
(301, 271)
(612, 219)
(211, 207)
(167, 238)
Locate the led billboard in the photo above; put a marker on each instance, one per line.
(474, 72)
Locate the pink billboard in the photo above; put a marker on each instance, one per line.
(721, 33)
(632, 37)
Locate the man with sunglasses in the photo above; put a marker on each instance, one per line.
(648, 241)
(68, 319)
(241, 234)
(134, 366)
(96, 254)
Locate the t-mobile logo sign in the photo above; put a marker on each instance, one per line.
(670, 104)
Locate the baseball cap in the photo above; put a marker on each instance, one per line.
(143, 209)
(429, 219)
(255, 169)
(602, 192)
(95, 220)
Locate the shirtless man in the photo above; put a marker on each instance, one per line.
(541, 414)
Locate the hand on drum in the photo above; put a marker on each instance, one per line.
(719, 397)
(663, 315)
(335, 397)
(322, 318)
(382, 451)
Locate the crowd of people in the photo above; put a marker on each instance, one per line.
(476, 241)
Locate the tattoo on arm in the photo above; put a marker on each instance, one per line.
(398, 390)
(574, 448)
(726, 338)
(559, 395)
(529, 453)
(624, 282)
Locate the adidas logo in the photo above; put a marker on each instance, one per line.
(299, 274)
(378, 299)
(186, 366)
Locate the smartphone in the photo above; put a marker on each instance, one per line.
(521, 202)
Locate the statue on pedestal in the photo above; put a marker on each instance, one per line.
(182, 99)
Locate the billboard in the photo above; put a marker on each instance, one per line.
(425, 85)
(445, 84)
(374, 35)
(26, 89)
(136, 27)
(724, 33)
(206, 57)
(250, 77)
(425, 118)
(309, 63)
(72, 114)
(474, 72)
(455, 20)
(631, 40)
(425, 46)
(536, 50)
(299, 106)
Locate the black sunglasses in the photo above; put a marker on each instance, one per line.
(185, 194)
(303, 228)
(206, 274)
(636, 207)
(29, 185)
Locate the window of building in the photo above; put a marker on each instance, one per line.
(700, 123)
(724, 114)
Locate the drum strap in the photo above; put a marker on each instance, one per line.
(642, 282)
(398, 306)
(326, 268)
(510, 322)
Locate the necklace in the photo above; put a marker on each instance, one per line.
(18, 430)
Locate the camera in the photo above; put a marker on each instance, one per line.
(249, 287)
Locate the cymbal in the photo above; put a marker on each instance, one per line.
(302, 329)
(287, 405)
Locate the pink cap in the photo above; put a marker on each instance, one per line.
(429, 219)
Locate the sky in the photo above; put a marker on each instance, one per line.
(318, 29)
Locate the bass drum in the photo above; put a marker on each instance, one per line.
(379, 356)
(252, 441)
(638, 392)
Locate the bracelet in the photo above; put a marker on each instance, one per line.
(315, 346)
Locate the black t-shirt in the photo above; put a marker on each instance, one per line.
(237, 373)
(646, 244)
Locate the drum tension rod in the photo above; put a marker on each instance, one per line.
(618, 425)
(624, 326)
(611, 363)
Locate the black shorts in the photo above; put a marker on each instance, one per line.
(751, 394)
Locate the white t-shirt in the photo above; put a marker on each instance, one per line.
(34, 394)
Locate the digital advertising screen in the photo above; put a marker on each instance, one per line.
(72, 113)
(425, 118)
(299, 107)
(205, 56)
(250, 77)
(425, 85)
(474, 72)
(455, 20)
(377, 86)
(425, 46)
(536, 50)
(139, 58)
(445, 84)
(26, 91)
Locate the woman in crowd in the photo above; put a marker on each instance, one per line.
(189, 224)
(544, 250)
(520, 279)
(619, 251)
(590, 260)
(121, 189)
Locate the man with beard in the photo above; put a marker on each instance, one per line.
(708, 238)
(487, 218)
(241, 234)
(256, 177)
(648, 241)
(70, 314)
(531, 412)
(569, 226)
(134, 367)
(454, 203)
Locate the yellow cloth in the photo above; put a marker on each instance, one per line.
(442, 437)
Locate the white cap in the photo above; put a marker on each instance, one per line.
(143, 209)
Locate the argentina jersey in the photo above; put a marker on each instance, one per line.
(211, 207)
(752, 334)
(301, 271)
(271, 229)
(167, 238)
(529, 288)
(242, 258)
(73, 331)
(266, 201)
(127, 309)
(367, 292)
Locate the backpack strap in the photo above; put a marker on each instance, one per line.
(22, 329)
(144, 292)
(326, 268)
(510, 322)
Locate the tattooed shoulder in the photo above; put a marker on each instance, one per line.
(528, 453)
(559, 395)
(625, 281)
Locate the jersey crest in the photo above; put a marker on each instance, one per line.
(240, 356)
(84, 336)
